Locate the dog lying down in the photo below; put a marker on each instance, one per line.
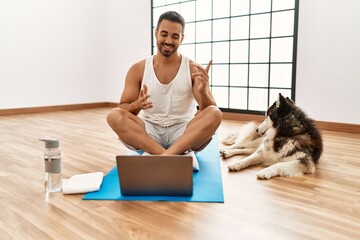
(287, 142)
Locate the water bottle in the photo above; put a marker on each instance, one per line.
(52, 159)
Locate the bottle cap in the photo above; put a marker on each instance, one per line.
(50, 143)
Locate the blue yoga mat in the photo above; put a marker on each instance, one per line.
(207, 182)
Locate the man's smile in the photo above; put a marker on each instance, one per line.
(167, 46)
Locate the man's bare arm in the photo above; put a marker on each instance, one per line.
(133, 98)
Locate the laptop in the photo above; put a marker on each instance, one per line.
(155, 175)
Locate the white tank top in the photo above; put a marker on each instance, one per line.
(173, 102)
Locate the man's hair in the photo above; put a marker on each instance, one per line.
(173, 17)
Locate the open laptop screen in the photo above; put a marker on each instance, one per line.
(155, 175)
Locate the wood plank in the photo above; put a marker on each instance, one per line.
(324, 205)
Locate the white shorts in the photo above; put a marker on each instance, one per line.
(165, 136)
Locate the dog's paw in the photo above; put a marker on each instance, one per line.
(236, 167)
(266, 173)
(223, 153)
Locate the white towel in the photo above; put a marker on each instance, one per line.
(83, 183)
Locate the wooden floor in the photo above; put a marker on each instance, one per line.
(325, 205)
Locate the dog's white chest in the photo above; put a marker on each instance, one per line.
(270, 156)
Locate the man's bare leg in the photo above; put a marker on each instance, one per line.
(131, 130)
(198, 132)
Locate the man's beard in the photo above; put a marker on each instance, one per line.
(166, 49)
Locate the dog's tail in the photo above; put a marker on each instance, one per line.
(247, 132)
(230, 139)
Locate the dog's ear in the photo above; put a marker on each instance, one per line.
(281, 100)
(290, 101)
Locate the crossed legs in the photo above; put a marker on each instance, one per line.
(131, 130)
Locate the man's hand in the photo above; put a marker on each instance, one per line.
(143, 100)
(201, 87)
(201, 78)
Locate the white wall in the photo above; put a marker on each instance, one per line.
(51, 52)
(70, 51)
(128, 25)
(328, 63)
(78, 51)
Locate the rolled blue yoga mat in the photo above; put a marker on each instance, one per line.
(207, 183)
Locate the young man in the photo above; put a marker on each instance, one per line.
(157, 108)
